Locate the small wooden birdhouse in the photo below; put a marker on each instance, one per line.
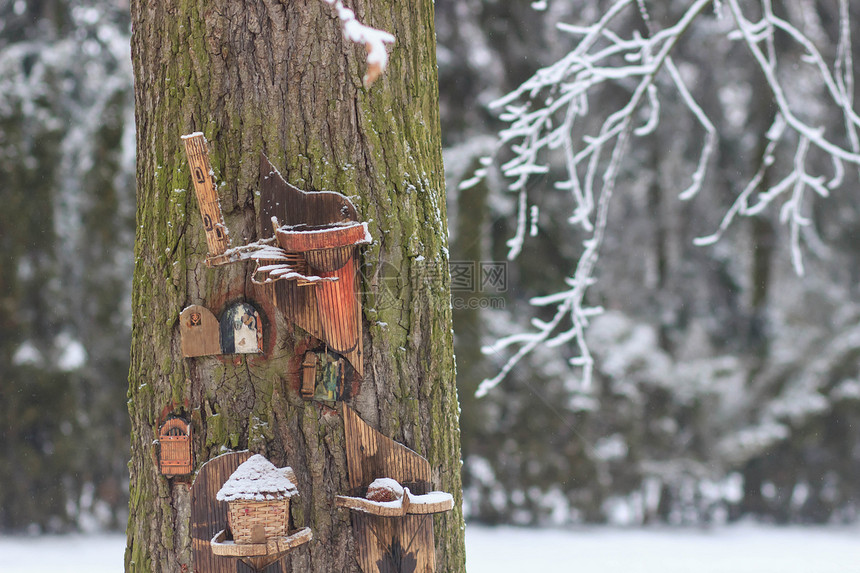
(175, 452)
(258, 495)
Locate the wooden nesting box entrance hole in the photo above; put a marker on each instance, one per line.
(175, 441)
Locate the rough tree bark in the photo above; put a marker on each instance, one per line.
(278, 77)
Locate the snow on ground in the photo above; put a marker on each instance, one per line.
(737, 549)
(70, 554)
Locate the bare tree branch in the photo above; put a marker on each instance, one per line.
(548, 116)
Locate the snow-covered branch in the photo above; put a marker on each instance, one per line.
(373, 40)
(551, 124)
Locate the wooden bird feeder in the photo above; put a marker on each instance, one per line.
(258, 496)
(307, 262)
(385, 497)
(391, 525)
(175, 447)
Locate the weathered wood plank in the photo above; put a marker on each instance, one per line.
(200, 332)
(217, 235)
(209, 516)
(292, 206)
(340, 310)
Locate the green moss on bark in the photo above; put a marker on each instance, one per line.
(279, 78)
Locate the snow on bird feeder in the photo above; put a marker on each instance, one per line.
(258, 499)
(258, 495)
(385, 497)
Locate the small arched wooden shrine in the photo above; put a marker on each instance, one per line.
(200, 334)
(175, 441)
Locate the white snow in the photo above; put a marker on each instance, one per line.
(257, 479)
(743, 548)
(386, 484)
(72, 354)
(738, 549)
(301, 230)
(71, 554)
(429, 498)
(27, 353)
(374, 40)
(369, 503)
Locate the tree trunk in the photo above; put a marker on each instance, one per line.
(279, 78)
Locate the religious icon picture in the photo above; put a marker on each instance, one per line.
(241, 330)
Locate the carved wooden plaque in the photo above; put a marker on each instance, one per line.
(217, 235)
(199, 330)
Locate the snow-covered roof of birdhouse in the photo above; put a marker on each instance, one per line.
(257, 480)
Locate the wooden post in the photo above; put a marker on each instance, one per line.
(217, 235)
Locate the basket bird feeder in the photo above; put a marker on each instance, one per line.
(258, 495)
(258, 499)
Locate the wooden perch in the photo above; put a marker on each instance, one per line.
(433, 502)
(260, 555)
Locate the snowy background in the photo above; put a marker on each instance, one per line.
(725, 387)
(739, 549)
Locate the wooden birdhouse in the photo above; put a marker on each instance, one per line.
(254, 501)
(307, 263)
(391, 524)
(258, 495)
(175, 447)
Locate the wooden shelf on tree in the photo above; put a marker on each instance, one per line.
(273, 548)
(433, 502)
